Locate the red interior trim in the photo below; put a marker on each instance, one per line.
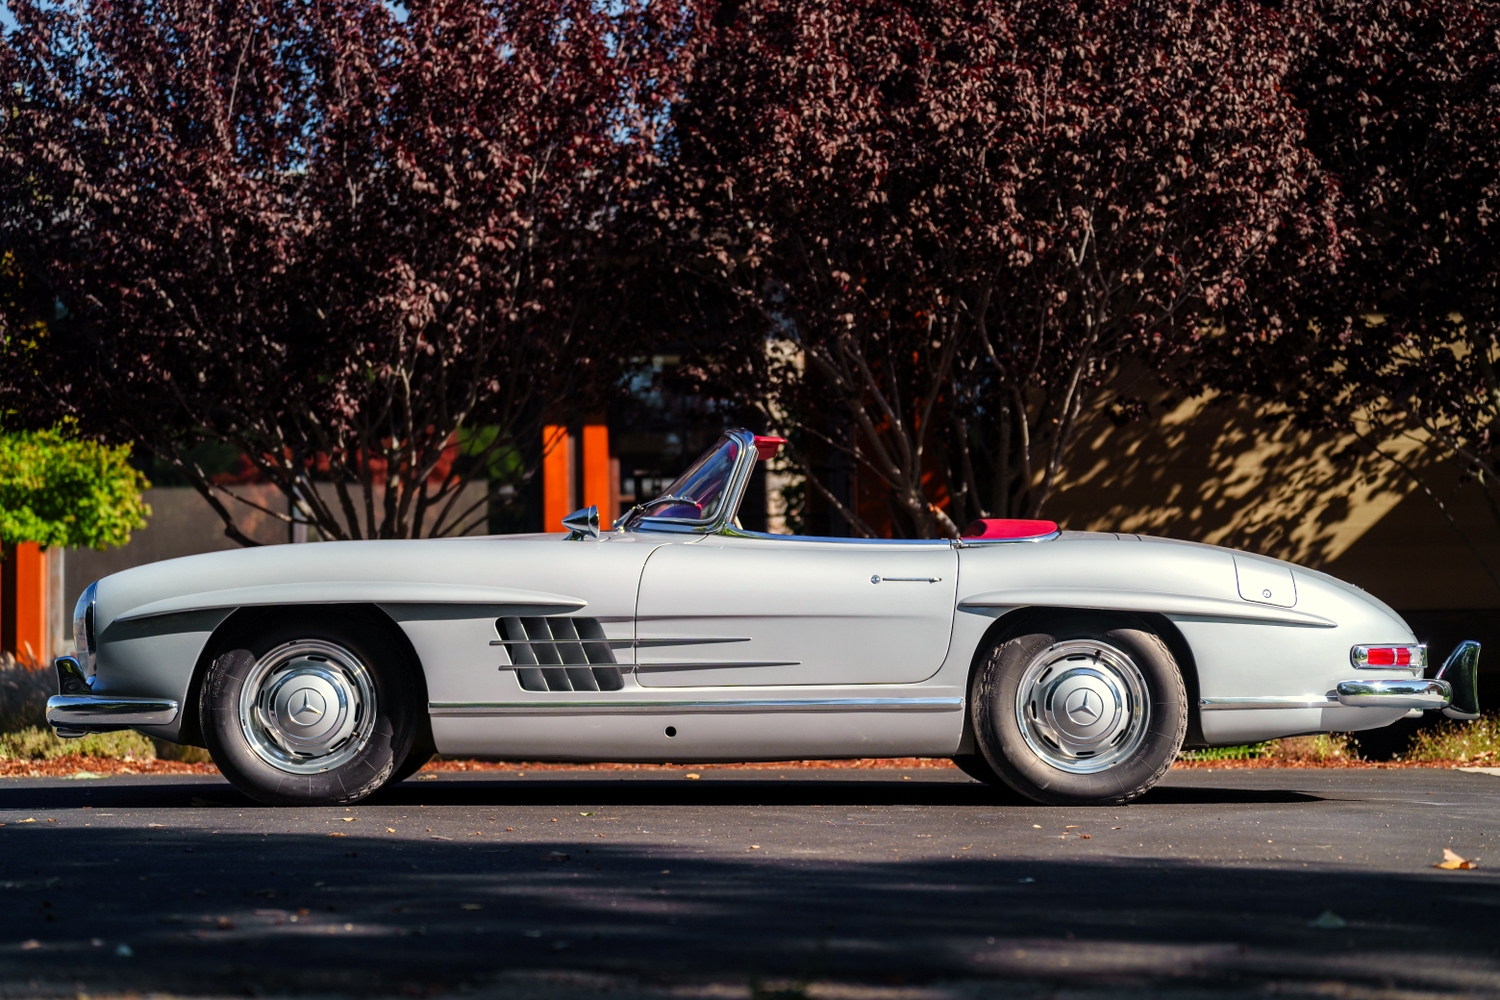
(1007, 527)
(767, 446)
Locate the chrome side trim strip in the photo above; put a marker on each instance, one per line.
(1297, 701)
(978, 543)
(67, 711)
(716, 665)
(737, 706)
(626, 667)
(627, 643)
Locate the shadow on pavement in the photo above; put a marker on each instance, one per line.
(614, 791)
(201, 911)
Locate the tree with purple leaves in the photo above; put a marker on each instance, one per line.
(365, 248)
(954, 221)
(1403, 108)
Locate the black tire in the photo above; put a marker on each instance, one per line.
(1061, 661)
(411, 765)
(379, 742)
(977, 768)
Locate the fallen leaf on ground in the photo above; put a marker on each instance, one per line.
(347, 819)
(337, 835)
(1452, 861)
(692, 777)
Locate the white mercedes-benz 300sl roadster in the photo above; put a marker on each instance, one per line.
(1068, 666)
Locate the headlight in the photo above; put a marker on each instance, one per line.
(83, 628)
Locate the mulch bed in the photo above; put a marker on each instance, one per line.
(1265, 762)
(74, 766)
(77, 766)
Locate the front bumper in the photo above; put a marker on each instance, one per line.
(77, 711)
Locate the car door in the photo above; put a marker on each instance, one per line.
(771, 610)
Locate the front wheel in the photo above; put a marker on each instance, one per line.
(301, 711)
(1084, 711)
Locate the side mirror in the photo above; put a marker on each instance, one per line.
(582, 524)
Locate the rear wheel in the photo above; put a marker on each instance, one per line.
(309, 710)
(1085, 710)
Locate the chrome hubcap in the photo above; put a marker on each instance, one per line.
(1083, 706)
(307, 706)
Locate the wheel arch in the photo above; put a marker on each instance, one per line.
(1019, 621)
(242, 621)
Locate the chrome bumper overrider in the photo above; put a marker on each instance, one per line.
(77, 712)
(1455, 690)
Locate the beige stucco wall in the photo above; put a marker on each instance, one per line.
(1231, 472)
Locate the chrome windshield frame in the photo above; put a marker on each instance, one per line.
(734, 494)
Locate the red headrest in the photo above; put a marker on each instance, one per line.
(1006, 527)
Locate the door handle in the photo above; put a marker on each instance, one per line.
(877, 578)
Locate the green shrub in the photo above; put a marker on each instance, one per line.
(38, 743)
(1322, 748)
(1476, 742)
(1250, 751)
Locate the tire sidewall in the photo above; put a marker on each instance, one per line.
(390, 742)
(998, 735)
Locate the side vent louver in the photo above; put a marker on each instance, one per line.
(560, 654)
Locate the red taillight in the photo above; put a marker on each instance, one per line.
(1389, 656)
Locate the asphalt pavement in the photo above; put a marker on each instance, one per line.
(836, 884)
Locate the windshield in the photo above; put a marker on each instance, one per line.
(699, 493)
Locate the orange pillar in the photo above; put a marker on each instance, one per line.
(23, 602)
(557, 476)
(31, 603)
(596, 473)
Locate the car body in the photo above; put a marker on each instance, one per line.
(680, 637)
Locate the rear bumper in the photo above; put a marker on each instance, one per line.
(78, 711)
(1417, 692)
(1454, 691)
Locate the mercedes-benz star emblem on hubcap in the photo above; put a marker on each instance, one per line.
(1083, 707)
(309, 709)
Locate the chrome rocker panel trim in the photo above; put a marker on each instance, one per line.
(460, 708)
(1240, 704)
(1401, 693)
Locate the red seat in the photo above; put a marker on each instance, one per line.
(1009, 528)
